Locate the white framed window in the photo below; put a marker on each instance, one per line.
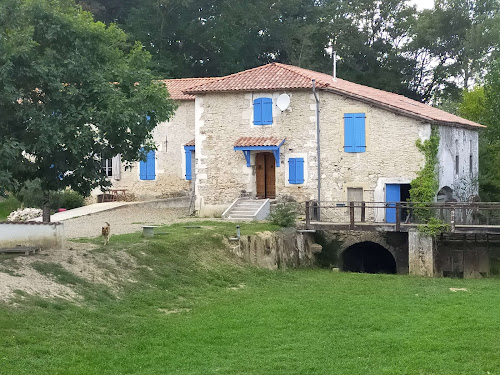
(107, 166)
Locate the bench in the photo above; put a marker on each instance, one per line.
(26, 250)
(114, 195)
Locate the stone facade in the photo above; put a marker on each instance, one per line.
(170, 158)
(221, 118)
(458, 161)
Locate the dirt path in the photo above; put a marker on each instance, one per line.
(125, 219)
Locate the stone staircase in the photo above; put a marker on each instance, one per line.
(247, 209)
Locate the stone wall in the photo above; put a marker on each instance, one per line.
(221, 118)
(170, 179)
(421, 254)
(464, 143)
(394, 242)
(273, 250)
(222, 174)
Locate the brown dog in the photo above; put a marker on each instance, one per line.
(106, 233)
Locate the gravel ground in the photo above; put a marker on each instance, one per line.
(125, 219)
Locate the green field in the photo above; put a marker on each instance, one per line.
(193, 309)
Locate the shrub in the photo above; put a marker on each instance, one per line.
(434, 227)
(7, 206)
(284, 215)
(71, 199)
(31, 195)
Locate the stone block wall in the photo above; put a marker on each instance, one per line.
(221, 118)
(170, 179)
(277, 250)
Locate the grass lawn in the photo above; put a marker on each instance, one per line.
(193, 309)
(7, 206)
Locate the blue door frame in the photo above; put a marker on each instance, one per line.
(392, 194)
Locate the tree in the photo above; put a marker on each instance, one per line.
(453, 44)
(483, 105)
(71, 91)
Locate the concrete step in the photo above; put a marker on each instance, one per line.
(245, 209)
(242, 214)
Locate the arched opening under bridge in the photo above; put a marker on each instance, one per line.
(368, 257)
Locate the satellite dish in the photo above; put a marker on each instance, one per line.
(283, 101)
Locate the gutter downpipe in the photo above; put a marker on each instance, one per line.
(318, 147)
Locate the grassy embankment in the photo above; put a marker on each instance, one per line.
(194, 309)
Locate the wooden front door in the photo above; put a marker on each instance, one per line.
(265, 175)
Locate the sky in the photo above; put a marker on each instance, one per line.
(423, 4)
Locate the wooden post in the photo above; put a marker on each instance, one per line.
(363, 212)
(452, 219)
(351, 214)
(398, 216)
(308, 214)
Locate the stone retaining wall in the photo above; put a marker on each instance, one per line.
(273, 250)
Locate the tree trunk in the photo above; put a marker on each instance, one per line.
(46, 207)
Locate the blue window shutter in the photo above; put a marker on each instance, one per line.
(292, 176)
(188, 164)
(354, 132)
(267, 111)
(143, 168)
(151, 166)
(296, 170)
(359, 125)
(299, 170)
(257, 111)
(349, 134)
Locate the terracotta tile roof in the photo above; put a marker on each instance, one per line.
(277, 76)
(258, 141)
(190, 143)
(176, 87)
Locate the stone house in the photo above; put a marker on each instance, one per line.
(230, 136)
(245, 145)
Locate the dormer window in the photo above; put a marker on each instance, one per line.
(263, 111)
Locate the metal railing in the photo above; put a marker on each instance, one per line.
(400, 213)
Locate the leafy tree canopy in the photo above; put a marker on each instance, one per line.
(483, 105)
(385, 44)
(71, 90)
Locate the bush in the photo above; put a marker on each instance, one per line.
(31, 195)
(434, 227)
(71, 199)
(284, 215)
(7, 206)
